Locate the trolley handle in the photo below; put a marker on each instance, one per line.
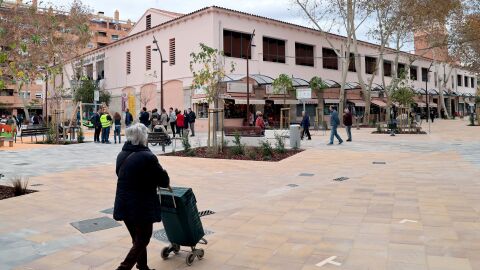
(169, 189)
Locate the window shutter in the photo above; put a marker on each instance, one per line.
(172, 51)
(148, 58)
(148, 22)
(128, 62)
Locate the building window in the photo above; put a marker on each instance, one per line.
(273, 50)
(466, 80)
(401, 69)
(329, 59)
(424, 75)
(435, 78)
(370, 65)
(236, 44)
(459, 80)
(114, 37)
(148, 58)
(304, 55)
(38, 95)
(171, 51)
(90, 45)
(351, 63)
(413, 73)
(472, 82)
(453, 82)
(148, 22)
(128, 62)
(387, 68)
(102, 34)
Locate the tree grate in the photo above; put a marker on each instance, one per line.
(22, 164)
(292, 185)
(379, 162)
(96, 224)
(339, 179)
(161, 235)
(306, 174)
(36, 185)
(206, 213)
(107, 211)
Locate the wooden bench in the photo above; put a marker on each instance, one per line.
(33, 131)
(244, 131)
(160, 138)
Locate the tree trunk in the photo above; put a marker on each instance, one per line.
(320, 106)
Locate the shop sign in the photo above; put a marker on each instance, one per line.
(304, 93)
(271, 91)
(200, 91)
(238, 87)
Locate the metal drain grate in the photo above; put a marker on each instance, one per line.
(292, 185)
(107, 211)
(22, 164)
(341, 179)
(96, 224)
(36, 185)
(379, 162)
(306, 174)
(206, 213)
(161, 235)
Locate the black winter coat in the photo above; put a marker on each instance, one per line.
(136, 198)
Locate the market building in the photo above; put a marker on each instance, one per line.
(132, 69)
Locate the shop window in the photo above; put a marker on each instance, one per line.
(413, 73)
(236, 44)
(148, 22)
(387, 68)
(424, 75)
(351, 63)
(171, 50)
(304, 55)
(148, 58)
(370, 65)
(310, 110)
(459, 80)
(128, 62)
(202, 110)
(329, 59)
(273, 50)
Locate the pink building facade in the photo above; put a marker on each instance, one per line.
(132, 69)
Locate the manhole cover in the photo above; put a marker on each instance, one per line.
(22, 164)
(379, 162)
(206, 213)
(96, 224)
(36, 185)
(107, 211)
(161, 235)
(341, 178)
(292, 185)
(306, 174)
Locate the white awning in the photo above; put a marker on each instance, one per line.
(357, 102)
(308, 101)
(331, 100)
(379, 103)
(421, 104)
(199, 100)
(251, 101)
(432, 105)
(288, 101)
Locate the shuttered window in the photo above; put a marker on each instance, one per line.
(148, 58)
(128, 62)
(148, 22)
(171, 55)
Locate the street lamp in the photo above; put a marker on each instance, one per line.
(426, 95)
(161, 70)
(250, 45)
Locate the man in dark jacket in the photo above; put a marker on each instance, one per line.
(191, 121)
(128, 118)
(347, 121)
(97, 125)
(136, 201)
(144, 117)
(305, 125)
(334, 123)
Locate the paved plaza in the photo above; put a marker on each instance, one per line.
(409, 202)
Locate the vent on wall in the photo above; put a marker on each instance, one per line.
(148, 58)
(128, 63)
(172, 51)
(148, 22)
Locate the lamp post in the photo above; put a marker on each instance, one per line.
(248, 75)
(161, 70)
(426, 95)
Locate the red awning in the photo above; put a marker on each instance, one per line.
(379, 103)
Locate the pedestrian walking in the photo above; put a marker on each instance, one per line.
(106, 121)
(185, 119)
(191, 121)
(136, 202)
(305, 124)
(117, 119)
(334, 122)
(259, 122)
(432, 115)
(97, 125)
(144, 117)
(180, 123)
(172, 120)
(128, 118)
(347, 122)
(164, 119)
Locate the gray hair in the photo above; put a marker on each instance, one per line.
(137, 134)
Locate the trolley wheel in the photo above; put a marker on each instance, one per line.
(176, 248)
(190, 258)
(201, 254)
(165, 252)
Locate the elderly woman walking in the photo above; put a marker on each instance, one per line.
(136, 201)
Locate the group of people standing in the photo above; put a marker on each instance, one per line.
(102, 122)
(177, 120)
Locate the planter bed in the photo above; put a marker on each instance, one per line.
(7, 192)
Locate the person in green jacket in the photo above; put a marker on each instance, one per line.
(106, 121)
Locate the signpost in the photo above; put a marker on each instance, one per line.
(304, 94)
(96, 98)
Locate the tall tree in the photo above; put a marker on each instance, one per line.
(318, 86)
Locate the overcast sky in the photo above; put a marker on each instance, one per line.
(283, 10)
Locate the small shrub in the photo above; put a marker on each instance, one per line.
(50, 136)
(20, 186)
(266, 147)
(80, 137)
(211, 153)
(238, 148)
(225, 143)
(186, 144)
(251, 153)
(280, 144)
